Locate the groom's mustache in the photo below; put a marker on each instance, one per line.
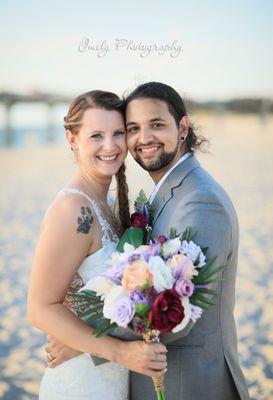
(143, 146)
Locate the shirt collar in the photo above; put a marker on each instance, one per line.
(159, 184)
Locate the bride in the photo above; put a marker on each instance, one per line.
(78, 234)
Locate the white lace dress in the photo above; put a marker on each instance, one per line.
(79, 378)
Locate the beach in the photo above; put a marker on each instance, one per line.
(240, 158)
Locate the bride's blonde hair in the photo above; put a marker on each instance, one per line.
(72, 122)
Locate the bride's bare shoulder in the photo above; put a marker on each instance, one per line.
(70, 210)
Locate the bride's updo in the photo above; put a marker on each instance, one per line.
(72, 121)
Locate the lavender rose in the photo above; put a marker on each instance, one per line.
(124, 311)
(184, 287)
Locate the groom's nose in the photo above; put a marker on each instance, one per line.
(145, 135)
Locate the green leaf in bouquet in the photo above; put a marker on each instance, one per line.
(207, 274)
(90, 310)
(202, 299)
(208, 291)
(173, 233)
(215, 280)
(142, 310)
(104, 328)
(133, 236)
(89, 294)
(187, 235)
(93, 318)
(204, 250)
(142, 199)
(197, 260)
(199, 303)
(205, 270)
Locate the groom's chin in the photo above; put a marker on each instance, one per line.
(148, 166)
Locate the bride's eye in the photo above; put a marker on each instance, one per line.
(96, 136)
(118, 133)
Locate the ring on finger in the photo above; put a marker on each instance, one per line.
(50, 356)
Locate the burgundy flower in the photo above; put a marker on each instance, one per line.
(167, 311)
(138, 220)
(161, 239)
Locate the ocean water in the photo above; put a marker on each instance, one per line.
(33, 135)
(32, 172)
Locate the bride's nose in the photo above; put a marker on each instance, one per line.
(109, 144)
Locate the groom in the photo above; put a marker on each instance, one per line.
(202, 360)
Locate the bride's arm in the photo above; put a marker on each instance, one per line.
(61, 248)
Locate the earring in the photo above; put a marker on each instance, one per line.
(75, 152)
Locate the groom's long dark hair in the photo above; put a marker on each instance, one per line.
(176, 106)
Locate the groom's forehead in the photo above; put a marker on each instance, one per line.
(147, 109)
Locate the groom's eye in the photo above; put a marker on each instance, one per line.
(157, 125)
(132, 129)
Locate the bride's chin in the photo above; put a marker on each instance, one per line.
(110, 171)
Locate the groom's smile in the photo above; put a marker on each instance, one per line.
(152, 135)
(149, 150)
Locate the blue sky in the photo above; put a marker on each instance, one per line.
(226, 46)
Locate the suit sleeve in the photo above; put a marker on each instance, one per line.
(204, 214)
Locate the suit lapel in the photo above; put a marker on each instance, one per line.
(175, 179)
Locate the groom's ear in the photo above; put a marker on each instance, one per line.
(184, 127)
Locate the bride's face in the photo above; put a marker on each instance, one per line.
(101, 142)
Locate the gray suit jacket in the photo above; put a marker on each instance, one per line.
(202, 360)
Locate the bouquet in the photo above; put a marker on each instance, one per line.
(151, 285)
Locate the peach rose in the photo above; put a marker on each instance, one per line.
(137, 276)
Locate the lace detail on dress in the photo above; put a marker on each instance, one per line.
(108, 234)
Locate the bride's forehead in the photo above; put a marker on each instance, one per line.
(99, 118)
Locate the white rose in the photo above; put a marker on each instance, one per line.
(162, 275)
(100, 285)
(187, 315)
(128, 248)
(171, 247)
(109, 301)
(117, 259)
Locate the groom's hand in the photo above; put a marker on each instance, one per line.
(147, 359)
(57, 353)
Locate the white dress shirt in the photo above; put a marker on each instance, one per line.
(165, 176)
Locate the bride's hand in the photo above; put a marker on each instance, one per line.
(147, 359)
(57, 353)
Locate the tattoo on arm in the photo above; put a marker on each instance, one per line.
(85, 221)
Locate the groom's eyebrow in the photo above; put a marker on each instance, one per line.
(151, 120)
(157, 119)
(130, 123)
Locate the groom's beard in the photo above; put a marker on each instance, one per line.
(163, 160)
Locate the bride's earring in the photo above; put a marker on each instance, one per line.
(75, 152)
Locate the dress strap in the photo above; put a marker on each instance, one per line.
(108, 234)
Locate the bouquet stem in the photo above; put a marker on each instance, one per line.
(152, 336)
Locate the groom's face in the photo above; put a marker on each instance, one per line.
(152, 134)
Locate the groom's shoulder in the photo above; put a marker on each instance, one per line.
(200, 184)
